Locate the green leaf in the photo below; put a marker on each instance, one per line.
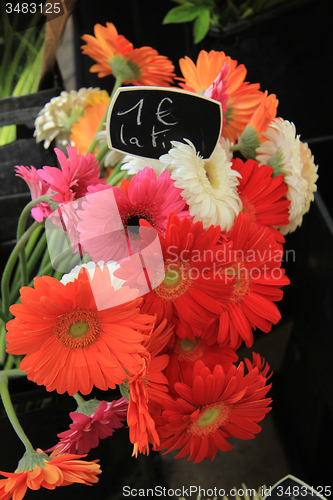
(249, 12)
(201, 26)
(182, 14)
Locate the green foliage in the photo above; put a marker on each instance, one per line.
(205, 13)
(20, 62)
(201, 25)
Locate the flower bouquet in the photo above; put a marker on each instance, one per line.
(147, 274)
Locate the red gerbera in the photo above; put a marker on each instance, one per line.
(186, 352)
(72, 345)
(215, 406)
(262, 195)
(92, 421)
(259, 277)
(193, 287)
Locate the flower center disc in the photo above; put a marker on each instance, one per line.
(211, 174)
(211, 418)
(242, 283)
(189, 350)
(78, 328)
(176, 280)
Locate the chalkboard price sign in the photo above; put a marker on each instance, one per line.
(142, 121)
(291, 488)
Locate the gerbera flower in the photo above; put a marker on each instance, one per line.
(192, 287)
(258, 280)
(309, 173)
(92, 421)
(252, 135)
(282, 150)
(185, 352)
(214, 407)
(112, 215)
(84, 131)
(69, 343)
(38, 187)
(262, 195)
(133, 165)
(257, 361)
(55, 120)
(114, 54)
(209, 186)
(146, 390)
(218, 90)
(140, 421)
(76, 174)
(36, 469)
(243, 97)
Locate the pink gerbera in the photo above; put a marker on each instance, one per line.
(110, 218)
(218, 90)
(77, 173)
(92, 421)
(38, 187)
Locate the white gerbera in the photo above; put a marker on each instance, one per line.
(309, 173)
(226, 145)
(282, 152)
(208, 186)
(58, 115)
(104, 298)
(134, 164)
(91, 267)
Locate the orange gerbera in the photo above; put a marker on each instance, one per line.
(114, 54)
(147, 390)
(84, 131)
(243, 97)
(252, 136)
(71, 344)
(37, 469)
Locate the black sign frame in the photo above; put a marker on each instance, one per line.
(292, 488)
(142, 121)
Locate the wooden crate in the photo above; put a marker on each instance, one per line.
(14, 192)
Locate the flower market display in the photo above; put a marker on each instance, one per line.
(145, 275)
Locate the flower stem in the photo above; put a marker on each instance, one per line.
(79, 399)
(118, 177)
(8, 405)
(102, 152)
(116, 170)
(31, 244)
(117, 84)
(9, 268)
(3, 316)
(20, 230)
